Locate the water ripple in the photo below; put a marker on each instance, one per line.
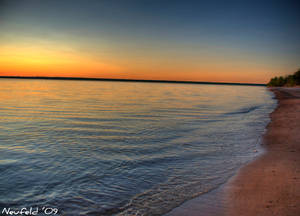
(103, 148)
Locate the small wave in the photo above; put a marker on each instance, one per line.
(7, 162)
(243, 110)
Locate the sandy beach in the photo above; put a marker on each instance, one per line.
(271, 184)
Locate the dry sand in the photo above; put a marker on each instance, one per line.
(271, 184)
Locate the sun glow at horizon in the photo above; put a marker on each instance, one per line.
(47, 61)
(57, 60)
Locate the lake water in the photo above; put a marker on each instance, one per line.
(123, 148)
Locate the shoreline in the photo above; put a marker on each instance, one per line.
(268, 185)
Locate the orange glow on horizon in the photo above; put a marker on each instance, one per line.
(37, 61)
(50, 62)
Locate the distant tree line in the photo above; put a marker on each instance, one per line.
(289, 80)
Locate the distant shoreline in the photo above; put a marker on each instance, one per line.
(129, 80)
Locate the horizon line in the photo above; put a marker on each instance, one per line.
(129, 80)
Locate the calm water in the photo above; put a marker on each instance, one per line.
(113, 148)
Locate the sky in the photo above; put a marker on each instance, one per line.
(204, 40)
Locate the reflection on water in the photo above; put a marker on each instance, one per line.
(113, 148)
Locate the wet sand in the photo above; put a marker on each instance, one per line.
(271, 184)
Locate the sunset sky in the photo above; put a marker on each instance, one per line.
(205, 40)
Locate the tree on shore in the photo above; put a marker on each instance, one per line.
(290, 80)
